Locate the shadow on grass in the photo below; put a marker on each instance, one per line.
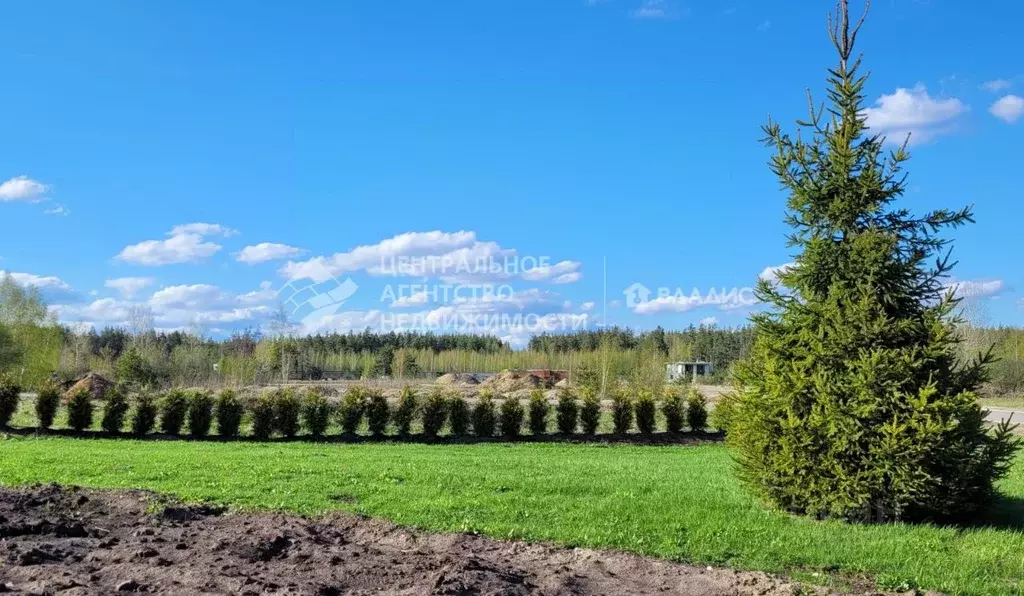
(655, 439)
(1006, 513)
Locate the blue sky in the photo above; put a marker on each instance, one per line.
(574, 133)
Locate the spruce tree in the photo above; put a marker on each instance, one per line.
(854, 402)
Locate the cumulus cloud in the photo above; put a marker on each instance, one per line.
(455, 257)
(976, 289)
(60, 210)
(186, 244)
(22, 188)
(587, 306)
(39, 281)
(915, 112)
(771, 274)
(374, 257)
(560, 273)
(708, 322)
(129, 286)
(1008, 109)
(268, 251)
(176, 307)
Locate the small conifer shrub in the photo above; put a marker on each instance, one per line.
(200, 413)
(316, 413)
(262, 412)
(80, 410)
(115, 410)
(435, 411)
(143, 414)
(590, 411)
(458, 416)
(622, 411)
(353, 407)
(510, 419)
(673, 409)
(567, 412)
(697, 411)
(287, 412)
(483, 416)
(228, 412)
(10, 394)
(173, 411)
(378, 412)
(538, 410)
(646, 409)
(405, 412)
(47, 404)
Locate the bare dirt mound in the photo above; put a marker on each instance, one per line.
(508, 381)
(77, 542)
(95, 384)
(457, 379)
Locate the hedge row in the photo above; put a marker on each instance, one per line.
(285, 413)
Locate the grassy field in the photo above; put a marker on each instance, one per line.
(1006, 401)
(675, 502)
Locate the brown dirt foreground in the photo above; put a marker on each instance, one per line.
(71, 541)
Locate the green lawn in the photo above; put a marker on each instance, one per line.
(675, 502)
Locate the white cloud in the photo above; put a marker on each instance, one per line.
(996, 85)
(419, 298)
(560, 273)
(668, 304)
(129, 286)
(265, 295)
(764, 26)
(1008, 109)
(512, 317)
(197, 296)
(377, 256)
(22, 188)
(723, 299)
(39, 281)
(771, 274)
(708, 322)
(587, 306)
(102, 312)
(177, 307)
(186, 244)
(455, 257)
(914, 112)
(58, 210)
(976, 289)
(203, 229)
(268, 251)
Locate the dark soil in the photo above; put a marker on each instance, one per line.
(71, 541)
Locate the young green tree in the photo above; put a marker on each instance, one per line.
(854, 403)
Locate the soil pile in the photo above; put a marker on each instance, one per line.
(508, 381)
(457, 379)
(77, 542)
(95, 384)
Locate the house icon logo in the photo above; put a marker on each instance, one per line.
(636, 294)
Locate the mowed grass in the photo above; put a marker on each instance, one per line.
(681, 503)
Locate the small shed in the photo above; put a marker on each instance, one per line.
(677, 371)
